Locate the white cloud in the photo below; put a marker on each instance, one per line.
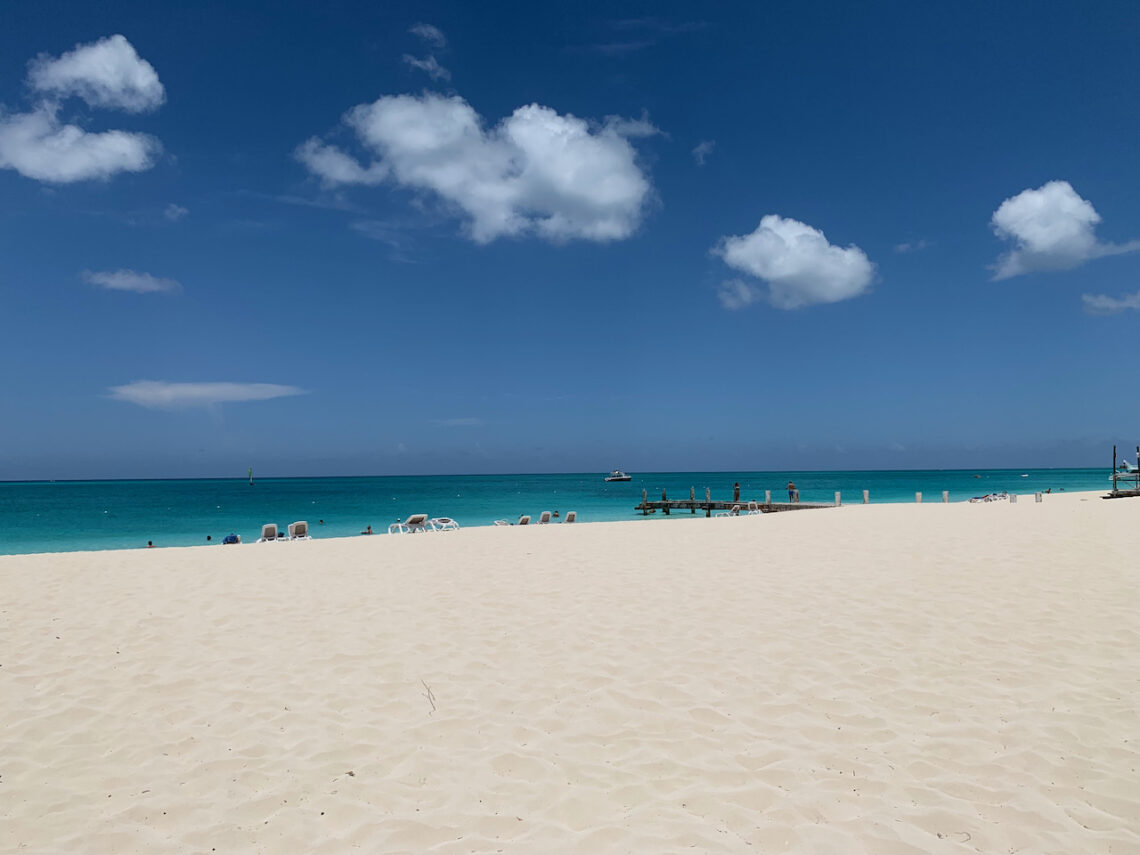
(38, 146)
(796, 262)
(536, 172)
(431, 35)
(703, 150)
(174, 213)
(736, 294)
(160, 395)
(1052, 228)
(1102, 304)
(333, 166)
(129, 280)
(912, 246)
(106, 73)
(430, 65)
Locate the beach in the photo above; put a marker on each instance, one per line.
(881, 679)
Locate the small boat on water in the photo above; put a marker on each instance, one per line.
(618, 475)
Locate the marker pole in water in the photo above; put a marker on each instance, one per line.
(945, 497)
(918, 498)
(866, 497)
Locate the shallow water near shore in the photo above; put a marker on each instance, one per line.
(65, 516)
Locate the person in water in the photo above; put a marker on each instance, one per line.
(150, 544)
(367, 530)
(791, 491)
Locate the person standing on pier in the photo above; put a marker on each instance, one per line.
(791, 491)
(736, 492)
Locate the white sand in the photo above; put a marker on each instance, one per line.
(882, 679)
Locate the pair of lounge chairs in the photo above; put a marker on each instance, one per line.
(753, 510)
(543, 519)
(297, 531)
(420, 522)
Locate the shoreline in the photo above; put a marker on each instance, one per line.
(634, 517)
(887, 678)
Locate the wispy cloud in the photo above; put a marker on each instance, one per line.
(466, 421)
(174, 212)
(912, 246)
(1102, 304)
(1052, 228)
(703, 149)
(430, 65)
(160, 395)
(130, 280)
(432, 35)
(634, 34)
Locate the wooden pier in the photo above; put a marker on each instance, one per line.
(709, 505)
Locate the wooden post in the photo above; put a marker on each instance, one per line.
(866, 497)
(1013, 498)
(918, 498)
(644, 504)
(797, 497)
(837, 499)
(708, 502)
(1114, 469)
(1037, 497)
(945, 497)
(767, 497)
(693, 499)
(664, 499)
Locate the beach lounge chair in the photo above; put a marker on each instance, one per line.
(753, 509)
(397, 528)
(524, 519)
(444, 524)
(571, 516)
(418, 522)
(268, 533)
(544, 518)
(501, 522)
(299, 531)
(735, 512)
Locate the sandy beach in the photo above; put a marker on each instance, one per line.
(879, 679)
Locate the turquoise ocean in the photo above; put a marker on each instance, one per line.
(63, 516)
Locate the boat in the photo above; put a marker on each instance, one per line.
(618, 475)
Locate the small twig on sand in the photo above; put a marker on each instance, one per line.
(430, 696)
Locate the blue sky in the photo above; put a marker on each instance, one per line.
(451, 237)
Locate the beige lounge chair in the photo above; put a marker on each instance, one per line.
(571, 516)
(299, 531)
(268, 533)
(418, 522)
(524, 519)
(544, 518)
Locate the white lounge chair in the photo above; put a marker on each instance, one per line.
(571, 516)
(268, 533)
(544, 518)
(299, 531)
(444, 524)
(397, 528)
(501, 522)
(735, 512)
(753, 509)
(524, 519)
(418, 522)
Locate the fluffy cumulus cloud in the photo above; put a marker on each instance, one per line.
(795, 263)
(535, 172)
(160, 395)
(1102, 304)
(1052, 228)
(39, 146)
(108, 73)
(130, 280)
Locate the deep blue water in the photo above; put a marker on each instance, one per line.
(73, 515)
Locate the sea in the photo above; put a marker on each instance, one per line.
(66, 516)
